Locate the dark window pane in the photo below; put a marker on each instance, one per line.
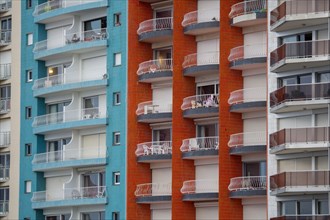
(289, 208)
(305, 207)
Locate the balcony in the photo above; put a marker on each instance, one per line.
(248, 57)
(298, 140)
(70, 119)
(69, 158)
(247, 143)
(4, 208)
(68, 82)
(248, 187)
(4, 139)
(200, 190)
(96, 195)
(153, 193)
(49, 11)
(300, 55)
(156, 30)
(157, 151)
(199, 64)
(248, 13)
(5, 37)
(5, 71)
(201, 106)
(302, 217)
(155, 71)
(201, 22)
(300, 182)
(151, 112)
(71, 43)
(248, 100)
(5, 6)
(4, 106)
(4, 174)
(200, 147)
(293, 98)
(295, 14)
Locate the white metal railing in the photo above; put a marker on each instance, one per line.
(151, 107)
(248, 7)
(200, 186)
(200, 101)
(71, 38)
(4, 174)
(157, 24)
(247, 139)
(248, 51)
(4, 106)
(56, 4)
(199, 59)
(248, 183)
(4, 139)
(153, 189)
(247, 95)
(68, 116)
(200, 143)
(5, 5)
(4, 207)
(152, 148)
(200, 16)
(70, 193)
(5, 71)
(5, 37)
(152, 66)
(68, 155)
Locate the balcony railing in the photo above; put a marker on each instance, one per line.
(200, 59)
(303, 179)
(200, 16)
(200, 101)
(69, 155)
(200, 143)
(304, 136)
(248, 183)
(5, 37)
(71, 193)
(5, 5)
(72, 38)
(56, 4)
(247, 139)
(4, 139)
(154, 148)
(4, 208)
(153, 66)
(247, 95)
(200, 186)
(302, 217)
(300, 50)
(301, 92)
(4, 174)
(153, 189)
(5, 71)
(299, 7)
(151, 108)
(68, 116)
(248, 7)
(4, 106)
(158, 24)
(247, 51)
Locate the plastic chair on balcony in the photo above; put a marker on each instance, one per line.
(75, 38)
(146, 149)
(193, 145)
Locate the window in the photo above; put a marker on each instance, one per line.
(28, 186)
(116, 19)
(255, 168)
(161, 135)
(116, 138)
(4, 195)
(5, 92)
(58, 217)
(95, 29)
(5, 165)
(28, 112)
(293, 80)
(115, 216)
(95, 182)
(27, 218)
(322, 207)
(29, 76)
(28, 149)
(300, 207)
(93, 216)
(91, 107)
(28, 4)
(116, 98)
(117, 59)
(116, 178)
(207, 130)
(29, 38)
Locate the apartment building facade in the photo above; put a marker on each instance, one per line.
(73, 110)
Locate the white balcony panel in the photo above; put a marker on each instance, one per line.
(161, 214)
(55, 37)
(54, 186)
(209, 213)
(94, 66)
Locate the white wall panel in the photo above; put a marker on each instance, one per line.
(54, 187)
(161, 214)
(295, 122)
(94, 68)
(254, 124)
(207, 213)
(5, 57)
(162, 96)
(207, 172)
(254, 212)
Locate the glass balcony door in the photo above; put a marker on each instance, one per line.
(93, 184)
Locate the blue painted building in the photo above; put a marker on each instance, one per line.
(73, 110)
